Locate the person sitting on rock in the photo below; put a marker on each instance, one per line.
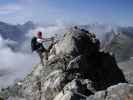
(37, 45)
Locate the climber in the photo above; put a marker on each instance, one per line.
(37, 45)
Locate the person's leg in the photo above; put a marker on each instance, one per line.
(41, 58)
(47, 51)
(46, 55)
(50, 47)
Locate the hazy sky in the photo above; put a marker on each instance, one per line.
(67, 11)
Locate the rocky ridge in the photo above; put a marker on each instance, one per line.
(76, 70)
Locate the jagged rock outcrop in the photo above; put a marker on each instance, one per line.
(76, 42)
(121, 91)
(75, 70)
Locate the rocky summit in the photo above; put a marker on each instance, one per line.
(76, 70)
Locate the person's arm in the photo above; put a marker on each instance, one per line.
(44, 40)
(40, 40)
(48, 39)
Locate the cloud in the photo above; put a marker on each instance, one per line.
(14, 65)
(50, 30)
(10, 8)
(6, 42)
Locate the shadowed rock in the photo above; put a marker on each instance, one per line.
(101, 68)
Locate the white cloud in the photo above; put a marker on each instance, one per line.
(49, 31)
(10, 8)
(5, 42)
(14, 65)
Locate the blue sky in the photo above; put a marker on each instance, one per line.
(67, 11)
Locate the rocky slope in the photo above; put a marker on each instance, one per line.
(115, 39)
(121, 46)
(120, 43)
(127, 67)
(76, 70)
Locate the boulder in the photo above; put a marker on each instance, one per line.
(75, 90)
(122, 91)
(75, 42)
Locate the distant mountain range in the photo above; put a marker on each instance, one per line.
(115, 39)
(120, 43)
(15, 32)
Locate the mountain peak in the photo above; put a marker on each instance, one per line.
(74, 64)
(28, 23)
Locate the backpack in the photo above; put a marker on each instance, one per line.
(34, 43)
